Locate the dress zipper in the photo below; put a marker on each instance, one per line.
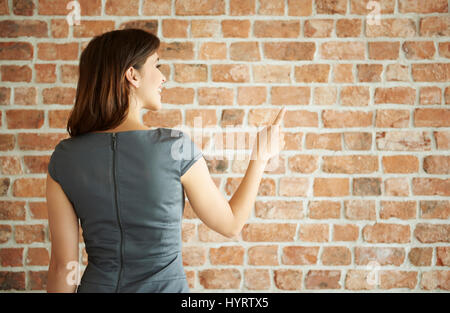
(114, 143)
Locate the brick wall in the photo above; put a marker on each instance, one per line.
(360, 200)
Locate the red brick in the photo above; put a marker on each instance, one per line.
(403, 141)
(392, 118)
(346, 232)
(336, 256)
(442, 139)
(392, 27)
(156, 7)
(318, 28)
(215, 96)
(236, 28)
(288, 279)
(16, 73)
(435, 209)
(12, 210)
(431, 186)
(355, 96)
(404, 210)
(45, 73)
(360, 7)
(205, 28)
(396, 95)
(24, 119)
(357, 209)
(11, 257)
(344, 119)
(121, 7)
(23, 28)
(325, 95)
(348, 27)
(37, 256)
(383, 50)
(436, 164)
(208, 7)
(331, 187)
(430, 95)
(289, 51)
(400, 164)
(324, 209)
(369, 72)
(357, 141)
(244, 51)
(59, 95)
(313, 232)
(326, 141)
(423, 6)
(444, 50)
(434, 72)
(57, 51)
(432, 117)
(290, 95)
(434, 279)
(383, 255)
(242, 7)
(4, 8)
(418, 50)
(263, 255)
(12, 280)
(398, 279)
(331, 7)
(276, 29)
(431, 233)
(420, 256)
(293, 186)
(443, 256)
(229, 278)
(16, 51)
(312, 73)
(37, 280)
(59, 28)
(386, 233)
(194, 256)
(255, 279)
(29, 233)
(335, 50)
(177, 95)
(227, 255)
(295, 255)
(396, 186)
(303, 163)
(350, 164)
(163, 118)
(271, 7)
(268, 232)
(230, 73)
(367, 186)
(5, 95)
(358, 280)
(434, 26)
(272, 73)
(91, 28)
(323, 279)
(397, 72)
(300, 8)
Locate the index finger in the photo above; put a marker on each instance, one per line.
(280, 116)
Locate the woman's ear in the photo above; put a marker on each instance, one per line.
(133, 76)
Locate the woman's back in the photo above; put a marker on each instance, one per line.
(125, 188)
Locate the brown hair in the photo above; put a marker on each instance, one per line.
(102, 96)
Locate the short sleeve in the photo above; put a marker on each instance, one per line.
(190, 153)
(52, 166)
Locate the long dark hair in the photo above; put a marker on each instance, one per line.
(102, 97)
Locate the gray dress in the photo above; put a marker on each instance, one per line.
(125, 188)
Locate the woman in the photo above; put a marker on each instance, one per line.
(125, 182)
